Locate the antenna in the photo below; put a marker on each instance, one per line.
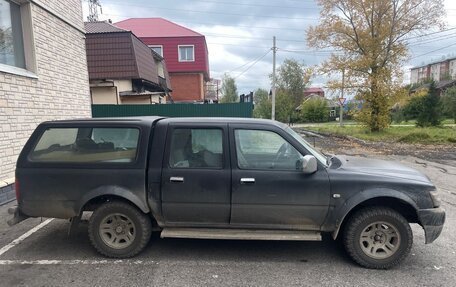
(93, 10)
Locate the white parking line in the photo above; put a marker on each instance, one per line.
(24, 236)
(74, 262)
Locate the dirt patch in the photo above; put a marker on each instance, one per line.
(335, 144)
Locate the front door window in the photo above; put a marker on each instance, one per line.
(261, 149)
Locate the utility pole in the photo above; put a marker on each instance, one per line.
(93, 10)
(274, 51)
(342, 99)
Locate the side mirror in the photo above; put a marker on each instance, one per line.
(309, 164)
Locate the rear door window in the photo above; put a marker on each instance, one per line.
(86, 145)
(196, 148)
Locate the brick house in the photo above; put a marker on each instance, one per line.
(43, 73)
(185, 52)
(122, 69)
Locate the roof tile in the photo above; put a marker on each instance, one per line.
(101, 27)
(155, 27)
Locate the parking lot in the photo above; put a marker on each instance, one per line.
(38, 252)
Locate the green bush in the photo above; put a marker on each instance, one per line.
(397, 116)
(431, 112)
(449, 103)
(413, 108)
(426, 109)
(315, 110)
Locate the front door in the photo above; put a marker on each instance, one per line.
(268, 188)
(196, 177)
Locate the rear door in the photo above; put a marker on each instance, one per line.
(196, 177)
(269, 190)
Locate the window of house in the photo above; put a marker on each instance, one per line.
(265, 150)
(187, 53)
(84, 145)
(196, 148)
(157, 49)
(11, 39)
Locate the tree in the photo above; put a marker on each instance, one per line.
(414, 106)
(430, 112)
(293, 77)
(263, 105)
(315, 110)
(285, 107)
(229, 90)
(369, 34)
(449, 102)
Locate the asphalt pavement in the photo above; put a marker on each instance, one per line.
(47, 256)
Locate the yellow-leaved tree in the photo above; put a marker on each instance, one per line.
(370, 39)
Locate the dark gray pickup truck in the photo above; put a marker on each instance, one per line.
(218, 178)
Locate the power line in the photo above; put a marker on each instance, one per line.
(250, 38)
(432, 40)
(310, 51)
(253, 64)
(218, 13)
(242, 66)
(256, 5)
(432, 33)
(430, 52)
(217, 24)
(238, 45)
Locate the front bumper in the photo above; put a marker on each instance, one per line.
(432, 221)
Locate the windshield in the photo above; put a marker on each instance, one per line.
(319, 155)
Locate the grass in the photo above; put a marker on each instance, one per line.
(412, 122)
(405, 134)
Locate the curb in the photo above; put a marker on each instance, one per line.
(7, 193)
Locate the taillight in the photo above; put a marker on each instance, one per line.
(16, 188)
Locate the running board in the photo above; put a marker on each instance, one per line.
(240, 234)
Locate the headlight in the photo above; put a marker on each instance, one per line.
(435, 198)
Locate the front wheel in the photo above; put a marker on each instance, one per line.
(378, 237)
(119, 230)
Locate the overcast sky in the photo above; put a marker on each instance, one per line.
(239, 33)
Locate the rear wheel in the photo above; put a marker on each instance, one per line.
(119, 230)
(378, 237)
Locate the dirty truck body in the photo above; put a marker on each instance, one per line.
(220, 178)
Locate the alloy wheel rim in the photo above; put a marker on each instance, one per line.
(380, 240)
(117, 231)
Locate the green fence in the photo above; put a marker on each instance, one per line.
(243, 110)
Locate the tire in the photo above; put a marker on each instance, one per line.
(378, 237)
(119, 230)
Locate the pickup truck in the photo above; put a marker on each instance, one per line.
(218, 178)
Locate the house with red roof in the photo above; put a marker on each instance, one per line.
(314, 91)
(184, 50)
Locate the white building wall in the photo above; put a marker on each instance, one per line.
(58, 87)
(414, 76)
(452, 69)
(435, 72)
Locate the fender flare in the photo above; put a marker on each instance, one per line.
(363, 196)
(114, 191)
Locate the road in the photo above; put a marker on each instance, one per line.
(48, 257)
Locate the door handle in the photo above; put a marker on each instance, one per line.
(247, 180)
(176, 179)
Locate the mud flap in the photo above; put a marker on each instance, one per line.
(74, 223)
(432, 221)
